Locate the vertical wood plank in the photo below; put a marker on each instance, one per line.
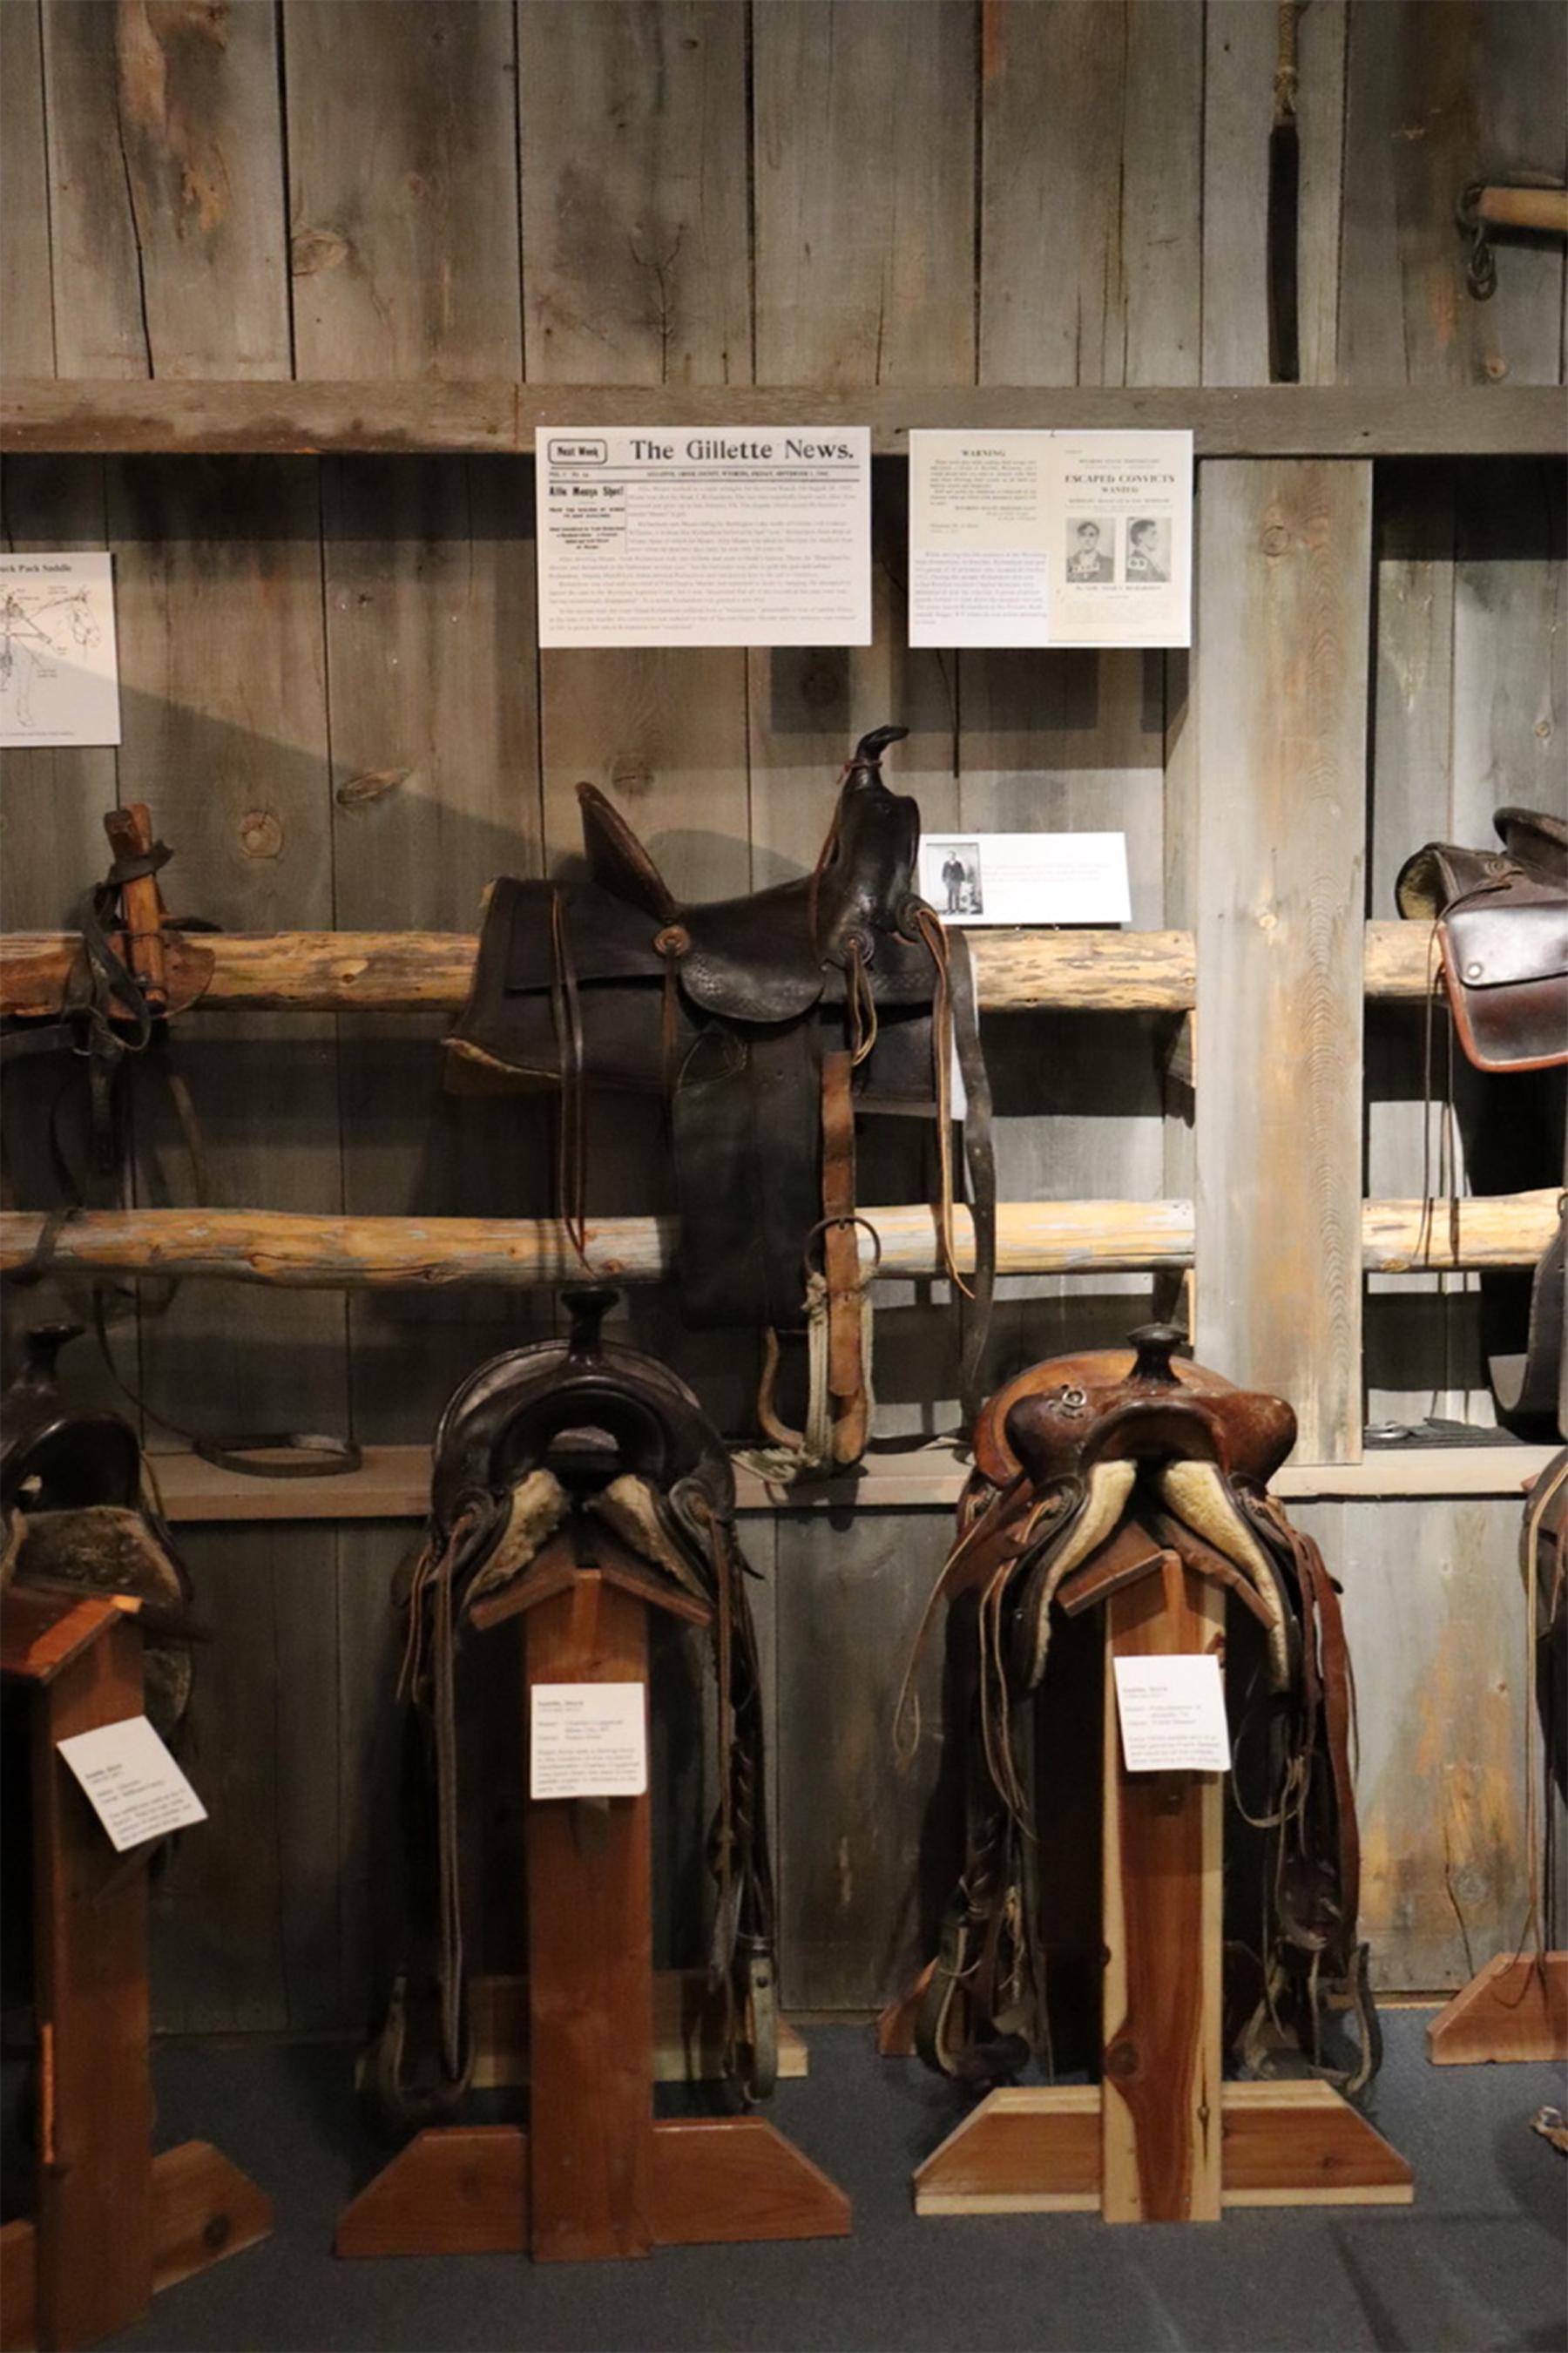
(166, 181)
(219, 581)
(402, 188)
(1282, 722)
(635, 202)
(372, 1859)
(849, 1600)
(27, 294)
(1240, 53)
(1162, 195)
(1434, 1618)
(864, 240)
(1054, 86)
(1441, 95)
(435, 753)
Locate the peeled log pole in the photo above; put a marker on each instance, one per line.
(1034, 1237)
(393, 972)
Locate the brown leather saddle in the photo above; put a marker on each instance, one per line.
(1090, 1471)
(1499, 921)
(767, 1023)
(564, 1443)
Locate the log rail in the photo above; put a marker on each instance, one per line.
(391, 971)
(1034, 1237)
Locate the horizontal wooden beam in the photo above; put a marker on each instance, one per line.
(330, 1253)
(1271, 421)
(393, 1482)
(408, 972)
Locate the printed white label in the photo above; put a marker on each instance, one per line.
(134, 1785)
(1172, 1714)
(1027, 878)
(689, 535)
(588, 1740)
(59, 677)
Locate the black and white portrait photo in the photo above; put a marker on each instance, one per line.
(1090, 548)
(961, 891)
(1149, 548)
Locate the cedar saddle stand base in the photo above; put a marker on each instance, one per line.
(593, 2176)
(113, 2223)
(1161, 2138)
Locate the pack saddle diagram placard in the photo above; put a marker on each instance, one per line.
(59, 680)
(701, 537)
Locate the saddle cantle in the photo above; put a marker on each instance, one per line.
(767, 1022)
(1090, 1471)
(565, 1443)
(1502, 920)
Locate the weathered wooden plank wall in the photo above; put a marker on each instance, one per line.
(336, 706)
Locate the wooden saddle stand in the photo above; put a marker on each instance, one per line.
(594, 2175)
(112, 2222)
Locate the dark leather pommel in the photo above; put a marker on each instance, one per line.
(587, 1305)
(1156, 1344)
(871, 748)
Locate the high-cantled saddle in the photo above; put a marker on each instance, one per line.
(1501, 919)
(767, 1022)
(569, 1443)
(1090, 1473)
(75, 1510)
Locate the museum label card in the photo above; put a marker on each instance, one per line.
(1172, 1714)
(588, 1740)
(1027, 878)
(134, 1785)
(1050, 539)
(60, 676)
(749, 536)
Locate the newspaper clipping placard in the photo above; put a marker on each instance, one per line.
(1050, 539)
(671, 535)
(60, 677)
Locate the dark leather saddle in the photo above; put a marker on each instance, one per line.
(1090, 1473)
(557, 1449)
(1499, 920)
(75, 1510)
(767, 1023)
(1502, 918)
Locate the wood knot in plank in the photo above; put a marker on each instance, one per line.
(631, 776)
(373, 785)
(260, 835)
(311, 250)
(1276, 540)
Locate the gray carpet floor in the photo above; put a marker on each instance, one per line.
(1476, 2264)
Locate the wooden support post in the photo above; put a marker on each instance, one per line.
(112, 2223)
(1161, 2138)
(590, 1933)
(1163, 1865)
(594, 2174)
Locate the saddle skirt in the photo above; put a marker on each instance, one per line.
(767, 1022)
(1090, 1472)
(1502, 920)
